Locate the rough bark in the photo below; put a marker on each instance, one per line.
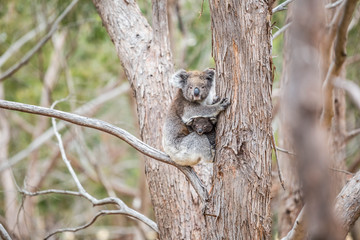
(347, 207)
(240, 200)
(145, 55)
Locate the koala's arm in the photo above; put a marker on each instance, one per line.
(208, 111)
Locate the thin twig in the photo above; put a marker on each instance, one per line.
(202, 9)
(342, 171)
(281, 6)
(334, 4)
(277, 161)
(115, 131)
(100, 213)
(39, 45)
(281, 30)
(351, 88)
(350, 135)
(285, 151)
(3, 233)
(298, 230)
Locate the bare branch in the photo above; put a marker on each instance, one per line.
(124, 209)
(277, 161)
(334, 4)
(342, 171)
(350, 135)
(83, 110)
(285, 151)
(3, 233)
(281, 7)
(338, 62)
(352, 89)
(298, 231)
(115, 131)
(100, 213)
(281, 30)
(39, 45)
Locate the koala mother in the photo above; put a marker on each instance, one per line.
(184, 147)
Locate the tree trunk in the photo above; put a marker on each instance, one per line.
(242, 171)
(146, 57)
(240, 201)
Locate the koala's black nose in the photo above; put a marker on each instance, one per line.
(200, 131)
(196, 92)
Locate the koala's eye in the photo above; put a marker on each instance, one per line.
(202, 87)
(191, 87)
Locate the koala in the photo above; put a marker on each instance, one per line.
(205, 126)
(184, 147)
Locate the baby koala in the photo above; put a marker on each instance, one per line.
(203, 125)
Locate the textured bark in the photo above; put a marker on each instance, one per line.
(240, 200)
(145, 56)
(347, 205)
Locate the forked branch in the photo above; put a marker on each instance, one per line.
(115, 131)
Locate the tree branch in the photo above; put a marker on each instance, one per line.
(281, 6)
(347, 209)
(298, 231)
(285, 151)
(123, 208)
(338, 62)
(351, 88)
(83, 110)
(39, 45)
(334, 4)
(350, 135)
(115, 131)
(3, 233)
(100, 213)
(281, 30)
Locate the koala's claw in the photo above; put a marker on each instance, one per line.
(225, 103)
(216, 99)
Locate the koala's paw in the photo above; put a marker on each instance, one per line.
(216, 100)
(224, 103)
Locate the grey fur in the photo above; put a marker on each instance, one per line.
(185, 147)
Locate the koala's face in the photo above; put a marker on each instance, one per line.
(201, 125)
(195, 85)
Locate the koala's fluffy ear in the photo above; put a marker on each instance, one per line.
(209, 74)
(213, 120)
(190, 122)
(179, 78)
